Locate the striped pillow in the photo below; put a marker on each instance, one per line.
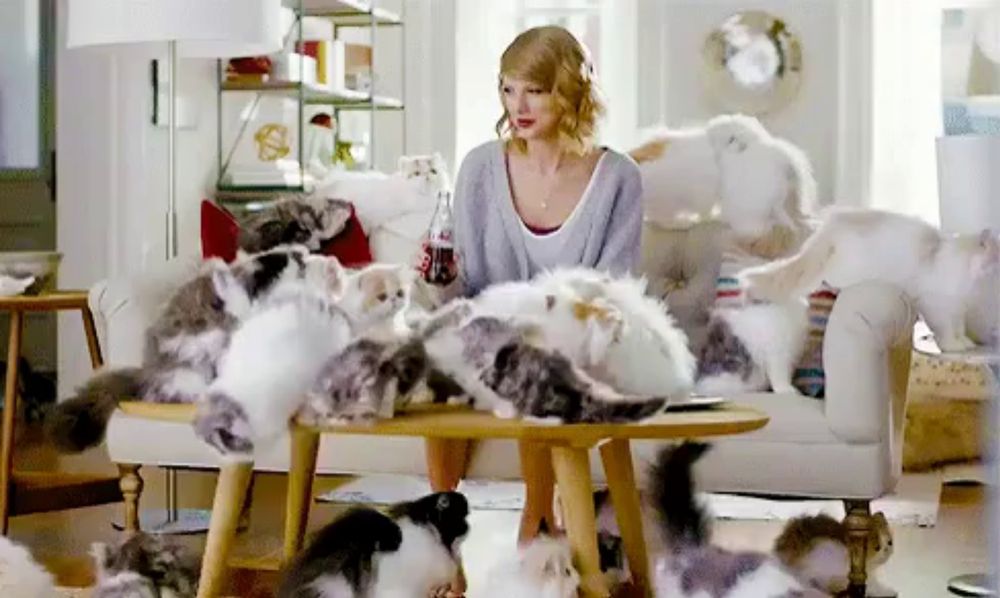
(809, 377)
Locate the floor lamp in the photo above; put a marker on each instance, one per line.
(172, 29)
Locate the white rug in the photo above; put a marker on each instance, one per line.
(915, 501)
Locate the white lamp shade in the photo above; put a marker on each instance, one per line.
(202, 28)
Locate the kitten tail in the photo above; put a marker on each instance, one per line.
(684, 520)
(78, 423)
(649, 151)
(796, 276)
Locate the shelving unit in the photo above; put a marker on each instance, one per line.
(343, 14)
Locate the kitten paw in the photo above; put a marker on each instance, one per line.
(875, 589)
(505, 411)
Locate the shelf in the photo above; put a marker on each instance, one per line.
(312, 94)
(347, 12)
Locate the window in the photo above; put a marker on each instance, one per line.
(21, 99)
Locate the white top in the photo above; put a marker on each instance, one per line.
(548, 251)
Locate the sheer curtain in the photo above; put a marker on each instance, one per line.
(906, 106)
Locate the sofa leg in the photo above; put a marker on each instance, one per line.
(131, 486)
(859, 524)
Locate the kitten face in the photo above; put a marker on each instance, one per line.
(445, 512)
(144, 566)
(549, 561)
(378, 292)
(880, 541)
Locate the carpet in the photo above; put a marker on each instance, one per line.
(915, 501)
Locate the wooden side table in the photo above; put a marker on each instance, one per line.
(33, 492)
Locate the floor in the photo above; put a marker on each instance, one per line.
(923, 561)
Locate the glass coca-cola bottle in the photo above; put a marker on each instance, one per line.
(440, 266)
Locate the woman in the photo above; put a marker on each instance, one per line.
(541, 196)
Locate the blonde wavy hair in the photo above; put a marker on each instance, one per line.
(552, 58)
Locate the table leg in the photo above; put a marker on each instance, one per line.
(9, 417)
(617, 458)
(229, 492)
(93, 344)
(305, 447)
(572, 468)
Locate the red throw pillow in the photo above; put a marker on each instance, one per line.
(219, 232)
(351, 245)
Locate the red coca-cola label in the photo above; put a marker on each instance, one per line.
(438, 265)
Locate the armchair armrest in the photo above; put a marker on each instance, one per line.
(866, 355)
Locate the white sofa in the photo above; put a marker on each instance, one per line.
(846, 446)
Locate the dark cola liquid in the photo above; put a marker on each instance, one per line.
(441, 266)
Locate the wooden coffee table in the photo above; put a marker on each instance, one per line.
(31, 492)
(570, 445)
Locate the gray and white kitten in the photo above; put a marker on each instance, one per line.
(144, 566)
(371, 377)
(408, 552)
(496, 362)
(308, 221)
(691, 566)
(185, 342)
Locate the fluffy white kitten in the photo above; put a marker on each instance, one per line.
(273, 358)
(765, 180)
(378, 198)
(21, 575)
(541, 569)
(732, 168)
(753, 348)
(648, 355)
(851, 246)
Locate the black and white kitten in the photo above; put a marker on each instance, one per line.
(497, 363)
(144, 566)
(406, 553)
(185, 342)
